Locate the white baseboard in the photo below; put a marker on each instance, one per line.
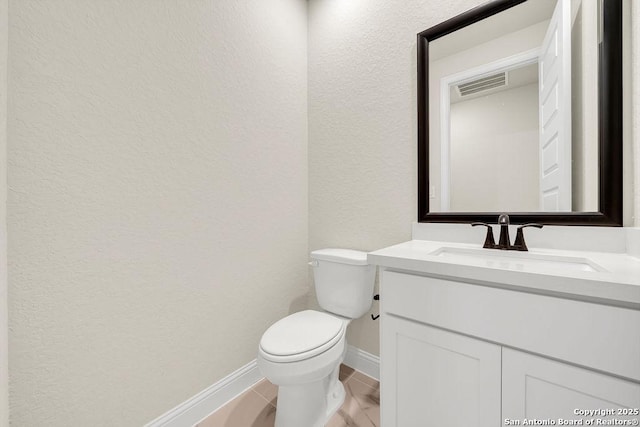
(194, 410)
(203, 404)
(362, 361)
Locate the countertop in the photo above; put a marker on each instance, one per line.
(617, 283)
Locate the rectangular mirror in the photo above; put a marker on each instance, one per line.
(520, 111)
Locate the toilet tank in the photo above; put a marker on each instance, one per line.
(344, 281)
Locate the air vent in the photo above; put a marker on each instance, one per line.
(483, 84)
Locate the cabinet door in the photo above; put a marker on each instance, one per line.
(540, 388)
(434, 378)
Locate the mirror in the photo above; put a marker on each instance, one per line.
(520, 111)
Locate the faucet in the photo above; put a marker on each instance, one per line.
(519, 244)
(504, 242)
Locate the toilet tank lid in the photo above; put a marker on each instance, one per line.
(344, 256)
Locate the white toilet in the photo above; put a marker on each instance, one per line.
(301, 353)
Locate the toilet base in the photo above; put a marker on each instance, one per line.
(336, 399)
(310, 404)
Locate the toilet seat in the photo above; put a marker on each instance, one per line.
(301, 336)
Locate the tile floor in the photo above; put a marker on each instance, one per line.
(256, 407)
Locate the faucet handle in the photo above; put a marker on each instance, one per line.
(531, 224)
(520, 244)
(489, 243)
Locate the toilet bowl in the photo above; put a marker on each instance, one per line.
(309, 392)
(302, 352)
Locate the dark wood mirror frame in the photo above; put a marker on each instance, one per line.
(609, 124)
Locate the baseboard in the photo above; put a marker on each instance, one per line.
(203, 404)
(194, 410)
(362, 361)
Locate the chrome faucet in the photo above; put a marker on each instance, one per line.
(504, 242)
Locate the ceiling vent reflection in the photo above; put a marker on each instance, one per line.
(483, 84)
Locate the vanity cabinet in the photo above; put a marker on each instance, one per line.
(463, 354)
(443, 377)
(537, 387)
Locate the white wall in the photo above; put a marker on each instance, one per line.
(494, 152)
(158, 199)
(4, 372)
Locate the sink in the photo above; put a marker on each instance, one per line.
(513, 260)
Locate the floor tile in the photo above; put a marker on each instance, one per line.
(247, 410)
(267, 390)
(351, 413)
(367, 397)
(345, 372)
(255, 407)
(371, 382)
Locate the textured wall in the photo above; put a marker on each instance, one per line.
(4, 391)
(362, 124)
(158, 199)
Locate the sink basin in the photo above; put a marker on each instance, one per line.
(513, 260)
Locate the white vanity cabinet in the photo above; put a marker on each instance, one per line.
(438, 378)
(537, 387)
(468, 354)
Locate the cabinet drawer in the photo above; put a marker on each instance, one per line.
(593, 335)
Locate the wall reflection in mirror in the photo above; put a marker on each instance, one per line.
(513, 111)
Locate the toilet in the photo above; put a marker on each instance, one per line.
(302, 352)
